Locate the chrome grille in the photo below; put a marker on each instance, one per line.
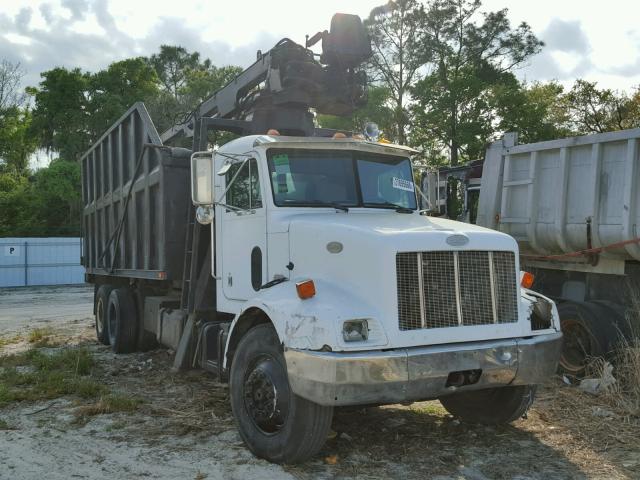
(450, 289)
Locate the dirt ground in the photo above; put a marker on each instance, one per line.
(182, 427)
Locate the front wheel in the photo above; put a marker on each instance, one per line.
(490, 406)
(276, 424)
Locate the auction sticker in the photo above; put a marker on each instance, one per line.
(402, 184)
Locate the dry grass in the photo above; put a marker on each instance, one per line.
(40, 337)
(106, 404)
(4, 341)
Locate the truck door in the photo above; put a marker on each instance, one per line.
(243, 233)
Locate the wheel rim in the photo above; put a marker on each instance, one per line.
(266, 395)
(100, 316)
(576, 346)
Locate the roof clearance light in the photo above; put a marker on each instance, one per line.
(339, 135)
(306, 289)
(372, 132)
(526, 279)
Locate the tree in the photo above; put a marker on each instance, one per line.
(393, 28)
(537, 112)
(466, 53)
(56, 194)
(185, 82)
(11, 96)
(112, 91)
(16, 143)
(172, 65)
(594, 110)
(61, 115)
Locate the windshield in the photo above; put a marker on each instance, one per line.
(305, 177)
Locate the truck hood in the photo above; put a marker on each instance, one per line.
(356, 253)
(402, 232)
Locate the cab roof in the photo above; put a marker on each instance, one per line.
(245, 144)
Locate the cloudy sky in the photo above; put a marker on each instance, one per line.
(592, 39)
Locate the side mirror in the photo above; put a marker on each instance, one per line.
(202, 178)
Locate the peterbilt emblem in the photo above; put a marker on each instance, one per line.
(457, 240)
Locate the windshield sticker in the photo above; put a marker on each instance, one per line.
(402, 184)
(281, 160)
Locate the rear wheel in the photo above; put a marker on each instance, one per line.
(588, 331)
(491, 406)
(275, 423)
(102, 325)
(123, 321)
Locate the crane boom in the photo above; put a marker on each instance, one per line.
(280, 88)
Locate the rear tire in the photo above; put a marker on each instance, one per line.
(491, 406)
(102, 325)
(123, 321)
(589, 331)
(275, 424)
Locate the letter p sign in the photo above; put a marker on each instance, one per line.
(11, 251)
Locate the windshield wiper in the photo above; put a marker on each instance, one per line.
(296, 203)
(395, 206)
(337, 206)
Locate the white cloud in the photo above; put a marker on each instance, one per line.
(595, 40)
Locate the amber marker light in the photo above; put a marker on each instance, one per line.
(526, 279)
(306, 289)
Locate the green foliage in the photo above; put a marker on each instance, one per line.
(114, 90)
(16, 143)
(61, 115)
(537, 112)
(45, 376)
(184, 82)
(594, 110)
(46, 203)
(394, 29)
(467, 54)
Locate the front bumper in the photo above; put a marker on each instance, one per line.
(420, 373)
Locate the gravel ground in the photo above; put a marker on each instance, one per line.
(184, 429)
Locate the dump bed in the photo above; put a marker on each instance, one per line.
(565, 195)
(136, 197)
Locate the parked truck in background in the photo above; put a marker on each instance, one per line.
(293, 261)
(573, 205)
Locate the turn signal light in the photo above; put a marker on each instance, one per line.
(526, 279)
(306, 289)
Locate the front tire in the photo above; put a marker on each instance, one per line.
(491, 406)
(275, 424)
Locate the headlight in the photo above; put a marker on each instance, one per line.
(355, 330)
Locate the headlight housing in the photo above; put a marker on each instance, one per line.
(355, 330)
(541, 314)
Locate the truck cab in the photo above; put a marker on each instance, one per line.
(322, 254)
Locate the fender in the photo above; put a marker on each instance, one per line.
(529, 298)
(315, 323)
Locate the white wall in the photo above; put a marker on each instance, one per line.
(40, 261)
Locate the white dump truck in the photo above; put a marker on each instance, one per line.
(305, 275)
(573, 205)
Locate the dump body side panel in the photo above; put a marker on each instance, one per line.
(566, 195)
(135, 197)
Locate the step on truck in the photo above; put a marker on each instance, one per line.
(573, 205)
(294, 264)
